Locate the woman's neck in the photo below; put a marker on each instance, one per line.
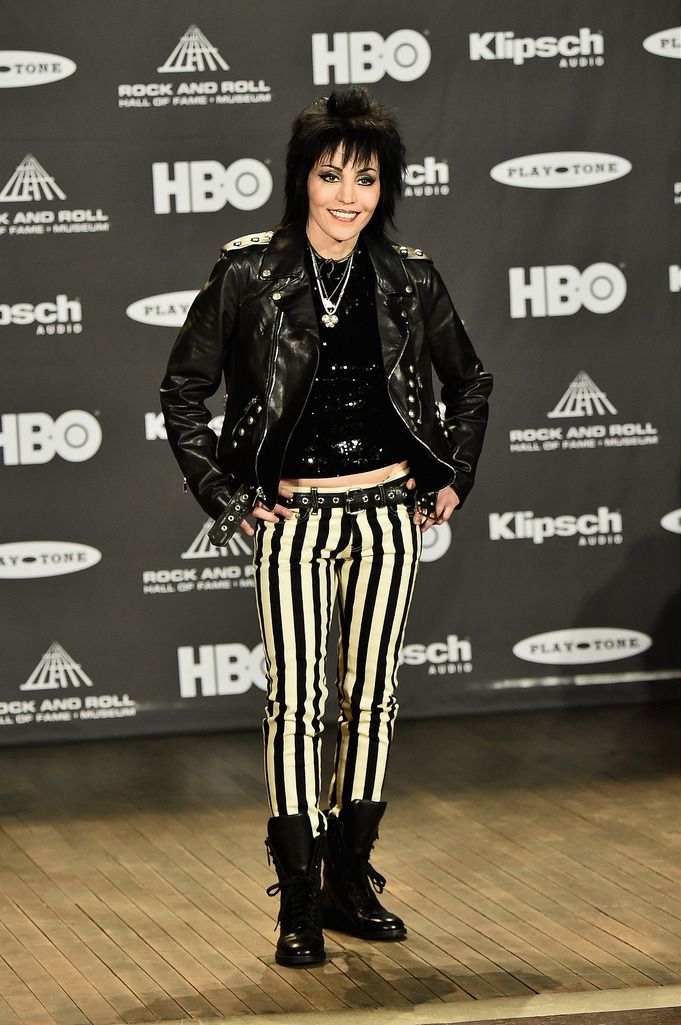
(329, 248)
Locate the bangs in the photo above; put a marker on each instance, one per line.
(360, 148)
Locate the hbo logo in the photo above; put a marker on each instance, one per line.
(202, 186)
(27, 438)
(367, 56)
(220, 669)
(562, 290)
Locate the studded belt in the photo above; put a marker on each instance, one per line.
(353, 500)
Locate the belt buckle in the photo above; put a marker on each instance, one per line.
(349, 500)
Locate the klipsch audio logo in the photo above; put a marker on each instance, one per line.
(361, 57)
(443, 658)
(31, 183)
(666, 43)
(169, 309)
(584, 50)
(155, 428)
(28, 560)
(560, 170)
(431, 178)
(25, 67)
(56, 670)
(32, 438)
(581, 646)
(214, 670)
(582, 399)
(61, 316)
(203, 186)
(562, 290)
(195, 55)
(233, 570)
(602, 527)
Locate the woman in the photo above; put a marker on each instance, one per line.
(335, 456)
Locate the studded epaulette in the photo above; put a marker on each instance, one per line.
(260, 238)
(407, 253)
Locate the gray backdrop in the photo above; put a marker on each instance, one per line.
(544, 181)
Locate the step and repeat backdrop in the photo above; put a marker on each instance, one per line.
(543, 179)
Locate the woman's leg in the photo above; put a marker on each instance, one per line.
(295, 593)
(376, 581)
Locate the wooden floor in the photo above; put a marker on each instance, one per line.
(532, 853)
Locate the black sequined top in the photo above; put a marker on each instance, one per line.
(349, 423)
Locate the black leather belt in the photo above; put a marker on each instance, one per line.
(353, 500)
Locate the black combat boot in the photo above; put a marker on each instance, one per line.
(348, 901)
(297, 856)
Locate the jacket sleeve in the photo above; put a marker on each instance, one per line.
(193, 374)
(465, 384)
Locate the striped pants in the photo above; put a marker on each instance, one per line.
(367, 562)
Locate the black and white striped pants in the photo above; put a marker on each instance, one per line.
(368, 563)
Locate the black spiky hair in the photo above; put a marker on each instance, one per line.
(365, 129)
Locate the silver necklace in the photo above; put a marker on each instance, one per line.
(330, 318)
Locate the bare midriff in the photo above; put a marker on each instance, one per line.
(366, 477)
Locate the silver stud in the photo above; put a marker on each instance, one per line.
(412, 414)
(258, 409)
(276, 296)
(410, 398)
(266, 273)
(411, 382)
(234, 444)
(409, 289)
(405, 314)
(237, 243)
(242, 431)
(255, 238)
(223, 526)
(250, 420)
(404, 251)
(411, 368)
(418, 252)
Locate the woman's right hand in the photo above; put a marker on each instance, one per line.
(261, 512)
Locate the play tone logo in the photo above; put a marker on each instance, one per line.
(30, 560)
(194, 54)
(362, 57)
(671, 521)
(31, 183)
(583, 398)
(582, 646)
(233, 572)
(666, 43)
(583, 50)
(56, 670)
(64, 316)
(603, 527)
(563, 170)
(20, 68)
(168, 309)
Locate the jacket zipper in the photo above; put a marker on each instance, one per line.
(405, 421)
(268, 394)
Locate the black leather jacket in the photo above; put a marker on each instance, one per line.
(254, 324)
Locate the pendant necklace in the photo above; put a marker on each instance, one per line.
(330, 318)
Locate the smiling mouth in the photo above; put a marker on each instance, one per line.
(344, 215)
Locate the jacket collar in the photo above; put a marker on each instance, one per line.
(284, 258)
